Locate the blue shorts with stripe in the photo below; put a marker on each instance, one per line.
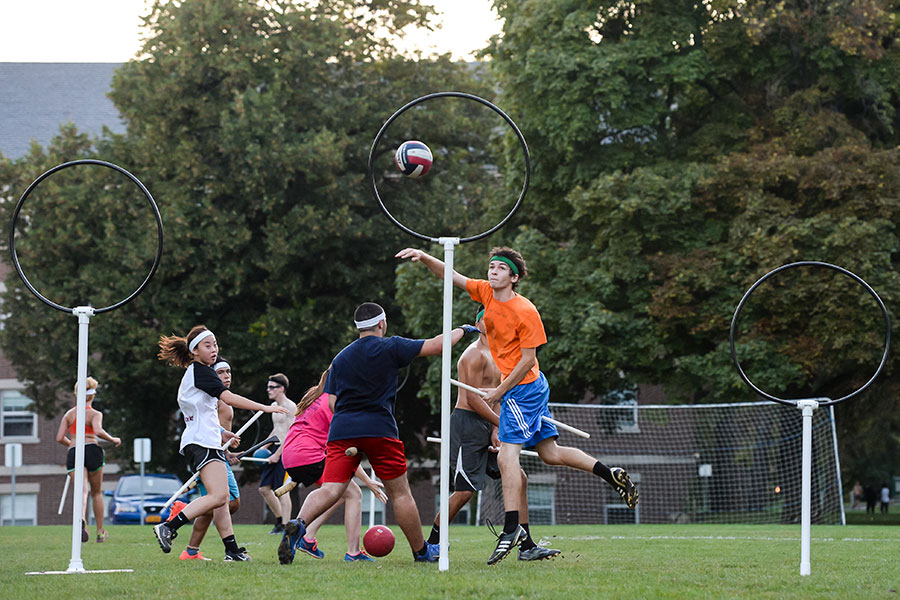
(521, 414)
(234, 492)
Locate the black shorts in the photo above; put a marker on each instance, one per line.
(470, 456)
(308, 475)
(198, 456)
(94, 458)
(272, 475)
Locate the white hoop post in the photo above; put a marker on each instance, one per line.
(84, 314)
(807, 406)
(449, 245)
(62, 501)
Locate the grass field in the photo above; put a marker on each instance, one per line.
(628, 561)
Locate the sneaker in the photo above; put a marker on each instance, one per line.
(185, 555)
(290, 539)
(505, 543)
(85, 536)
(311, 548)
(360, 557)
(432, 553)
(279, 528)
(177, 507)
(624, 486)
(537, 553)
(165, 535)
(102, 537)
(239, 556)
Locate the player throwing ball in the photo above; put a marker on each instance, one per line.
(514, 331)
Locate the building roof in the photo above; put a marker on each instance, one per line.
(37, 98)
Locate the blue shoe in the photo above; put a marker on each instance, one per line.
(360, 557)
(293, 533)
(432, 553)
(310, 548)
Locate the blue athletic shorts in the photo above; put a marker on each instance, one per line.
(521, 412)
(234, 492)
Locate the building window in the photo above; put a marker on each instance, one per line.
(378, 518)
(16, 418)
(541, 505)
(25, 513)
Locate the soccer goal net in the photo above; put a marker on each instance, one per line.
(698, 463)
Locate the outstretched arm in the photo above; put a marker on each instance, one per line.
(237, 401)
(434, 265)
(434, 346)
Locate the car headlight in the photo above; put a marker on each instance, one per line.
(126, 507)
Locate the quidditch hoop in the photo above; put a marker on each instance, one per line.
(506, 118)
(809, 263)
(87, 161)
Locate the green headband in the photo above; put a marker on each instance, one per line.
(479, 315)
(511, 264)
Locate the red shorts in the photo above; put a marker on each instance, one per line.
(386, 456)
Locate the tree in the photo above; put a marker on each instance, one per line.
(250, 123)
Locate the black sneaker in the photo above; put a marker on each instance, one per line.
(278, 529)
(624, 486)
(505, 543)
(290, 539)
(537, 553)
(165, 535)
(239, 556)
(85, 536)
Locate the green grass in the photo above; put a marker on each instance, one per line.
(860, 517)
(645, 561)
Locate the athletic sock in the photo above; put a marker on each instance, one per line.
(527, 543)
(511, 521)
(192, 551)
(230, 544)
(178, 521)
(603, 471)
(423, 550)
(435, 536)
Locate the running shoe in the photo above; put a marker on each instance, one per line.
(624, 486)
(177, 507)
(311, 548)
(165, 535)
(102, 537)
(185, 555)
(290, 539)
(360, 557)
(432, 553)
(278, 528)
(239, 556)
(85, 536)
(505, 543)
(537, 553)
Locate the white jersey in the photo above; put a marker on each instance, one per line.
(198, 399)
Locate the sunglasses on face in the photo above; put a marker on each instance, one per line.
(273, 387)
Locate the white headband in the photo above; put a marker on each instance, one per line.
(90, 392)
(206, 333)
(370, 322)
(222, 364)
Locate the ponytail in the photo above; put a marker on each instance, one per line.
(174, 350)
(312, 394)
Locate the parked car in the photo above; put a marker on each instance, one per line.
(125, 505)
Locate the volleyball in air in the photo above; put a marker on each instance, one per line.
(413, 158)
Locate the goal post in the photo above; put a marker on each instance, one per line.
(692, 463)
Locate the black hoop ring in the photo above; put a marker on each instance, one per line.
(810, 263)
(86, 161)
(446, 95)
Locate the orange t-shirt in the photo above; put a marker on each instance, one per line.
(510, 326)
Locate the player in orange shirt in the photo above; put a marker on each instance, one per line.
(514, 330)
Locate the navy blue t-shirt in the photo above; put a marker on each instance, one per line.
(363, 376)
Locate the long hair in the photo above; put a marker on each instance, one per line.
(312, 393)
(174, 349)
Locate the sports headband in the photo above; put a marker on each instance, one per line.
(222, 364)
(479, 316)
(511, 264)
(206, 333)
(90, 392)
(370, 322)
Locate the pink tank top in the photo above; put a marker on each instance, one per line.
(307, 437)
